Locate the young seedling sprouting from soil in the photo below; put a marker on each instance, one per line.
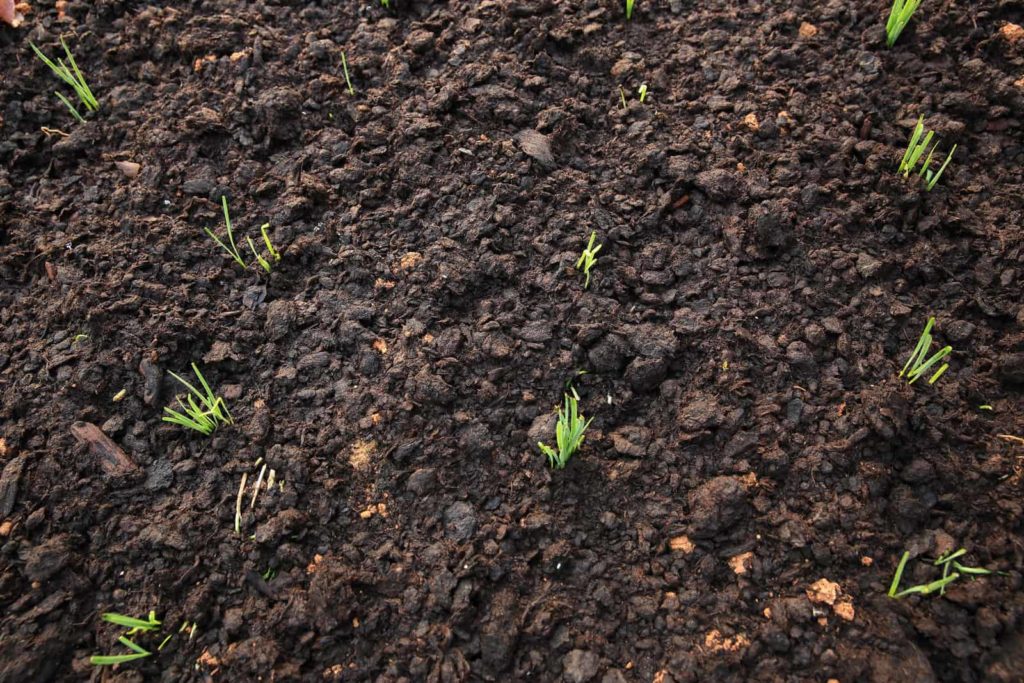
(232, 250)
(72, 76)
(899, 16)
(951, 571)
(629, 9)
(913, 154)
(642, 92)
(134, 626)
(588, 258)
(274, 253)
(568, 432)
(919, 363)
(204, 416)
(948, 562)
(344, 66)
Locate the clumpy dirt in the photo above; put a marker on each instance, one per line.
(755, 468)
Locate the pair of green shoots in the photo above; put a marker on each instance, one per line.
(135, 626)
(919, 362)
(916, 149)
(205, 410)
(641, 93)
(951, 571)
(233, 250)
(569, 432)
(588, 258)
(71, 75)
(899, 17)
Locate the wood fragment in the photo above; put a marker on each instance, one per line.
(112, 459)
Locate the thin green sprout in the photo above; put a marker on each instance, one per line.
(233, 250)
(932, 179)
(164, 642)
(899, 17)
(344, 66)
(629, 9)
(136, 625)
(642, 92)
(588, 258)
(264, 263)
(929, 588)
(266, 240)
(917, 364)
(915, 149)
(568, 433)
(203, 419)
(898, 575)
(72, 76)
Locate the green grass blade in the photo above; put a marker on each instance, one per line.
(942, 168)
(111, 660)
(67, 103)
(929, 588)
(130, 644)
(266, 240)
(914, 137)
(129, 622)
(899, 574)
(80, 86)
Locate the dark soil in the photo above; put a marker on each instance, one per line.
(764, 276)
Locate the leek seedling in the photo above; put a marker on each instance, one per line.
(233, 250)
(568, 432)
(921, 589)
(274, 253)
(642, 92)
(135, 626)
(72, 76)
(915, 149)
(204, 416)
(951, 571)
(344, 66)
(588, 258)
(629, 9)
(917, 363)
(899, 16)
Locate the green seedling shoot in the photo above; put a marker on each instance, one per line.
(588, 258)
(233, 251)
(629, 9)
(134, 626)
(72, 76)
(899, 17)
(344, 66)
(915, 149)
(951, 571)
(568, 432)
(918, 363)
(274, 254)
(203, 416)
(642, 92)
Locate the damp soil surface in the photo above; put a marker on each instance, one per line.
(755, 468)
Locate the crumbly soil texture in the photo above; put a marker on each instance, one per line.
(755, 468)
